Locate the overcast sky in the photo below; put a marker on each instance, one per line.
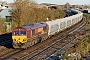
(81, 2)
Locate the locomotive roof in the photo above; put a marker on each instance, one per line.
(34, 26)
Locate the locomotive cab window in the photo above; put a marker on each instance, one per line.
(15, 33)
(33, 32)
(22, 32)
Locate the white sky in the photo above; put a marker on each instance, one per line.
(80, 2)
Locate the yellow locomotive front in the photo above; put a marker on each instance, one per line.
(19, 37)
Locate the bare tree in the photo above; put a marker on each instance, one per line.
(21, 12)
(67, 5)
(26, 12)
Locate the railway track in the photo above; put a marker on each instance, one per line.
(57, 46)
(49, 51)
(7, 51)
(6, 43)
(35, 50)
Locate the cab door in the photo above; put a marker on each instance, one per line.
(29, 34)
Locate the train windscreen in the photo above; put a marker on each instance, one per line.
(15, 33)
(22, 32)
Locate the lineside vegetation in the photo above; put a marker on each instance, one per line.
(83, 47)
(27, 12)
(2, 26)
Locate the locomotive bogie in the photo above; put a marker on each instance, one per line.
(32, 41)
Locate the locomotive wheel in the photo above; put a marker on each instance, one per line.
(39, 39)
(15, 46)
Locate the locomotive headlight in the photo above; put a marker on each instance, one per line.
(14, 39)
(23, 39)
(18, 38)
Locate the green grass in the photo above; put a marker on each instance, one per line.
(4, 19)
(88, 16)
